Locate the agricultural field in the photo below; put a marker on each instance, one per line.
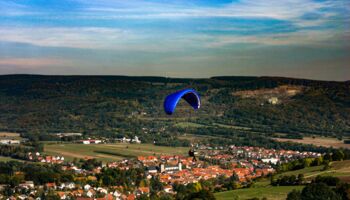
(110, 152)
(340, 169)
(318, 141)
(9, 135)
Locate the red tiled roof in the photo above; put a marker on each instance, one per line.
(130, 197)
(50, 184)
(144, 189)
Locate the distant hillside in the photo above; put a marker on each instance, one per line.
(125, 105)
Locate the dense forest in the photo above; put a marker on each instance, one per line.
(126, 106)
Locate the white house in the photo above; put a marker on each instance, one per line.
(273, 100)
(90, 193)
(102, 190)
(70, 185)
(27, 185)
(136, 140)
(117, 194)
(9, 141)
(270, 160)
(170, 168)
(87, 187)
(86, 141)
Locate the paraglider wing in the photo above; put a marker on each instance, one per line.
(190, 96)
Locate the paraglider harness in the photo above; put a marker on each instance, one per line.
(191, 153)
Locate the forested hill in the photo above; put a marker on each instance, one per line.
(128, 105)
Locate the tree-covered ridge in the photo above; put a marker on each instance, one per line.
(124, 105)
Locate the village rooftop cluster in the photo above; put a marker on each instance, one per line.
(246, 163)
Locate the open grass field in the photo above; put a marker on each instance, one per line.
(110, 152)
(189, 125)
(318, 141)
(340, 169)
(271, 193)
(196, 138)
(232, 126)
(309, 172)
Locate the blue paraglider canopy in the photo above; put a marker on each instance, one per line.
(190, 95)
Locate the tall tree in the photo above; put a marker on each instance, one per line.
(319, 191)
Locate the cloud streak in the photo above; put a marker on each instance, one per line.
(90, 37)
(326, 39)
(290, 10)
(33, 62)
(324, 15)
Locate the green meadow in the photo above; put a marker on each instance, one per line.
(263, 188)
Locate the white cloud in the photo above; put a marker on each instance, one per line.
(94, 38)
(305, 38)
(98, 38)
(290, 10)
(134, 39)
(122, 40)
(12, 9)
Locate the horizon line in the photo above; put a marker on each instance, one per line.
(168, 77)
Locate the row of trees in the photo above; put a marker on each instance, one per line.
(198, 190)
(38, 173)
(127, 178)
(337, 155)
(18, 152)
(288, 180)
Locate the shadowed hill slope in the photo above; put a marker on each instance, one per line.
(49, 104)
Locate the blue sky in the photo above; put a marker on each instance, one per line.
(177, 38)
